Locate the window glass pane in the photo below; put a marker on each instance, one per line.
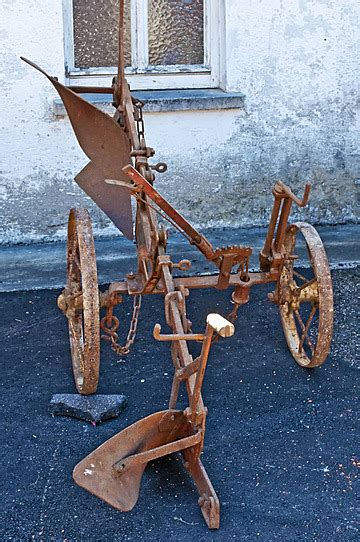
(176, 34)
(96, 24)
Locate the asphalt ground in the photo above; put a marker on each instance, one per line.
(281, 446)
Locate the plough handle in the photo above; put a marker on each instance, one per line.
(176, 337)
(214, 323)
(220, 325)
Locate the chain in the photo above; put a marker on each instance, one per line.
(139, 119)
(112, 336)
(110, 323)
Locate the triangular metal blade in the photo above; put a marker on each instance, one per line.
(105, 142)
(113, 200)
(96, 474)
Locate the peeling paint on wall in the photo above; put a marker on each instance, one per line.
(297, 64)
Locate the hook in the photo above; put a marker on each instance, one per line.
(161, 167)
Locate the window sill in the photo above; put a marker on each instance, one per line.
(169, 100)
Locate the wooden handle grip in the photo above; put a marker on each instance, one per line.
(219, 324)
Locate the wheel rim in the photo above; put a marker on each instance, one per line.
(306, 299)
(82, 286)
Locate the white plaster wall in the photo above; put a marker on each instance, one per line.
(297, 61)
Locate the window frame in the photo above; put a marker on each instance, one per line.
(143, 77)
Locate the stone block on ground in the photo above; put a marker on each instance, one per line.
(91, 408)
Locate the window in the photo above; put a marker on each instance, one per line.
(169, 44)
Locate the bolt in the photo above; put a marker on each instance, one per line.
(203, 501)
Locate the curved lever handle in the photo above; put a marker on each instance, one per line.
(217, 323)
(176, 337)
(281, 189)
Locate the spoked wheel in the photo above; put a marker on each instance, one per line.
(306, 298)
(83, 302)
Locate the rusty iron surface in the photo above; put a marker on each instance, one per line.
(83, 324)
(117, 206)
(306, 303)
(107, 145)
(119, 169)
(154, 275)
(96, 473)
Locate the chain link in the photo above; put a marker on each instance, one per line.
(139, 119)
(110, 324)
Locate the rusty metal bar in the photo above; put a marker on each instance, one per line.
(266, 251)
(199, 240)
(120, 83)
(183, 352)
(90, 90)
(283, 221)
(159, 451)
(286, 192)
(172, 337)
(200, 373)
(204, 281)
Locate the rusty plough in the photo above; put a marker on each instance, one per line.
(119, 169)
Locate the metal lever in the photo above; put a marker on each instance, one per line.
(214, 323)
(280, 189)
(217, 323)
(173, 337)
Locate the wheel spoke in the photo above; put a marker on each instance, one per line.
(309, 291)
(301, 277)
(306, 284)
(78, 341)
(303, 329)
(307, 326)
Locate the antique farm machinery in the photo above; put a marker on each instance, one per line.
(119, 169)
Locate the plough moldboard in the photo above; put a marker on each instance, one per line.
(119, 169)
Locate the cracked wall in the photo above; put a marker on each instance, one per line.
(295, 61)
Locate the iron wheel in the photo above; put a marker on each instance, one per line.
(82, 291)
(306, 298)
